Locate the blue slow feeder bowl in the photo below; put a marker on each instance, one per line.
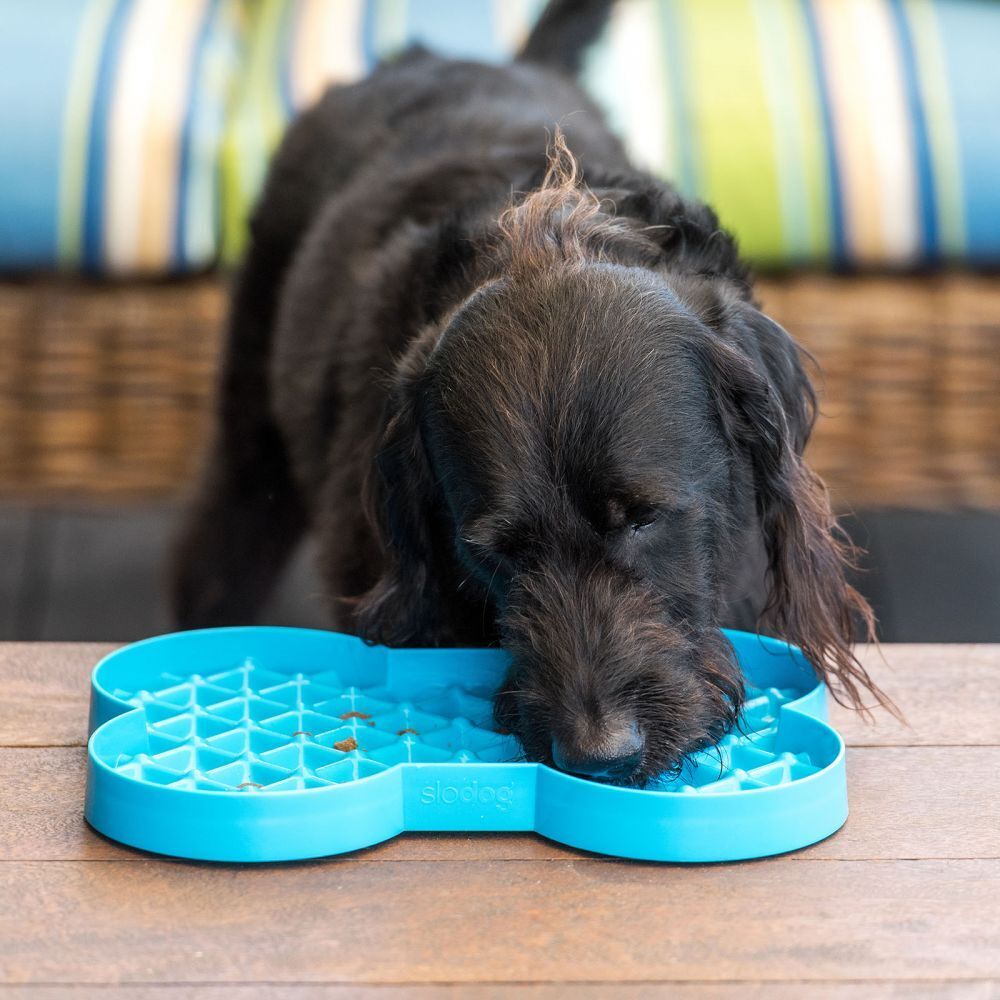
(274, 744)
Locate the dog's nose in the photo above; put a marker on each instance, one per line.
(613, 758)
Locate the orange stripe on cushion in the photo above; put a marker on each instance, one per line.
(147, 114)
(872, 130)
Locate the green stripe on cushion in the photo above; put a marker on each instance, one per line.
(258, 121)
(725, 87)
(212, 90)
(790, 85)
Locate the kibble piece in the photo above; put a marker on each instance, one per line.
(346, 745)
(355, 715)
(403, 732)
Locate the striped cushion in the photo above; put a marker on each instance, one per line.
(112, 114)
(844, 132)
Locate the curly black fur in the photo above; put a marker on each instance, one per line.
(579, 434)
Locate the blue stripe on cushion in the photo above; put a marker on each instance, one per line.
(186, 152)
(971, 41)
(289, 19)
(685, 138)
(463, 29)
(839, 244)
(926, 193)
(368, 26)
(36, 59)
(93, 209)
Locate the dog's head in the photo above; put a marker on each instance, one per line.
(575, 457)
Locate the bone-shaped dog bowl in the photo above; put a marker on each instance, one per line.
(271, 744)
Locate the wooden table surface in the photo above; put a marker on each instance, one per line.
(904, 901)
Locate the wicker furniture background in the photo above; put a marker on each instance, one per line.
(105, 389)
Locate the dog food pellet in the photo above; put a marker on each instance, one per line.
(355, 715)
(302, 732)
(250, 784)
(403, 732)
(349, 744)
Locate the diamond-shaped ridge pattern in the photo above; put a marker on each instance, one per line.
(251, 729)
(746, 758)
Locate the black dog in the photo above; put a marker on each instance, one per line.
(588, 444)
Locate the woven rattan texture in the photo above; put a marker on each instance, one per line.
(105, 388)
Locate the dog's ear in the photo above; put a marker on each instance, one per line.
(401, 608)
(766, 406)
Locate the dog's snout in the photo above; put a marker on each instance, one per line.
(613, 757)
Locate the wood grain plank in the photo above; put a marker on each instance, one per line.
(919, 802)
(44, 692)
(41, 801)
(867, 990)
(947, 692)
(348, 920)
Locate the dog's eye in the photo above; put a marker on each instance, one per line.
(642, 517)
